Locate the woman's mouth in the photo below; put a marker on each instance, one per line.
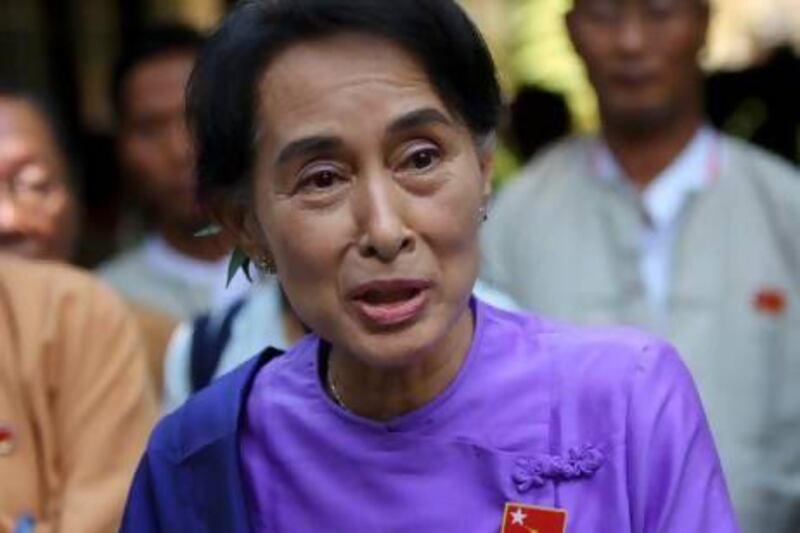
(386, 303)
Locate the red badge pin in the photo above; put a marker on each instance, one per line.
(771, 301)
(6, 440)
(522, 518)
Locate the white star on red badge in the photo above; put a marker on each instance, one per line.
(518, 517)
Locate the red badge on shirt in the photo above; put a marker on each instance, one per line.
(771, 301)
(6, 440)
(522, 518)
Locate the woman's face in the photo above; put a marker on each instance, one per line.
(367, 195)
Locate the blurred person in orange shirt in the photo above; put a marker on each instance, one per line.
(76, 404)
(39, 207)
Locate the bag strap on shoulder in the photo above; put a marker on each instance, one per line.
(210, 335)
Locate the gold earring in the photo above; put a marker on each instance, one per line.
(266, 266)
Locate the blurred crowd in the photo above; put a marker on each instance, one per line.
(680, 215)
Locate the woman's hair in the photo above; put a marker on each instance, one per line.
(222, 101)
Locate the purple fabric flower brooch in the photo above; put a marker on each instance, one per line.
(579, 463)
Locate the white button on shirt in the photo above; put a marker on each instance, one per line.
(662, 202)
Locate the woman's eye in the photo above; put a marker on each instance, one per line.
(323, 180)
(422, 159)
(320, 180)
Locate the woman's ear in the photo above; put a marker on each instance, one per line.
(239, 222)
(486, 161)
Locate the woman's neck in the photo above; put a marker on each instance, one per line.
(386, 393)
(643, 156)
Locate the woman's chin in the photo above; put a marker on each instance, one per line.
(396, 354)
(395, 348)
(408, 344)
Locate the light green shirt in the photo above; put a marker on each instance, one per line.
(565, 243)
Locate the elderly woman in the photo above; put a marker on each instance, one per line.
(348, 145)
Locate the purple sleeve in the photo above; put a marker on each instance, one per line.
(675, 478)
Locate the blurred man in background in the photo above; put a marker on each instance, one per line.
(76, 404)
(662, 222)
(171, 270)
(38, 211)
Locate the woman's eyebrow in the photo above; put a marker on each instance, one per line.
(325, 143)
(417, 118)
(308, 145)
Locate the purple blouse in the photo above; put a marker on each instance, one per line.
(604, 423)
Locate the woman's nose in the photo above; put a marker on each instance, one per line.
(384, 231)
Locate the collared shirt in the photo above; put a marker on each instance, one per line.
(662, 202)
(734, 293)
(76, 404)
(602, 423)
(158, 276)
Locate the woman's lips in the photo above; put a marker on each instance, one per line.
(387, 303)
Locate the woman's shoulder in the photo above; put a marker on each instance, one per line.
(614, 345)
(213, 413)
(590, 359)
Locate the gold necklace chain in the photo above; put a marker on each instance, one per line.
(332, 387)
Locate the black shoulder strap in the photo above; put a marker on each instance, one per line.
(209, 338)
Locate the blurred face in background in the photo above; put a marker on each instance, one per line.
(37, 209)
(154, 144)
(641, 56)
